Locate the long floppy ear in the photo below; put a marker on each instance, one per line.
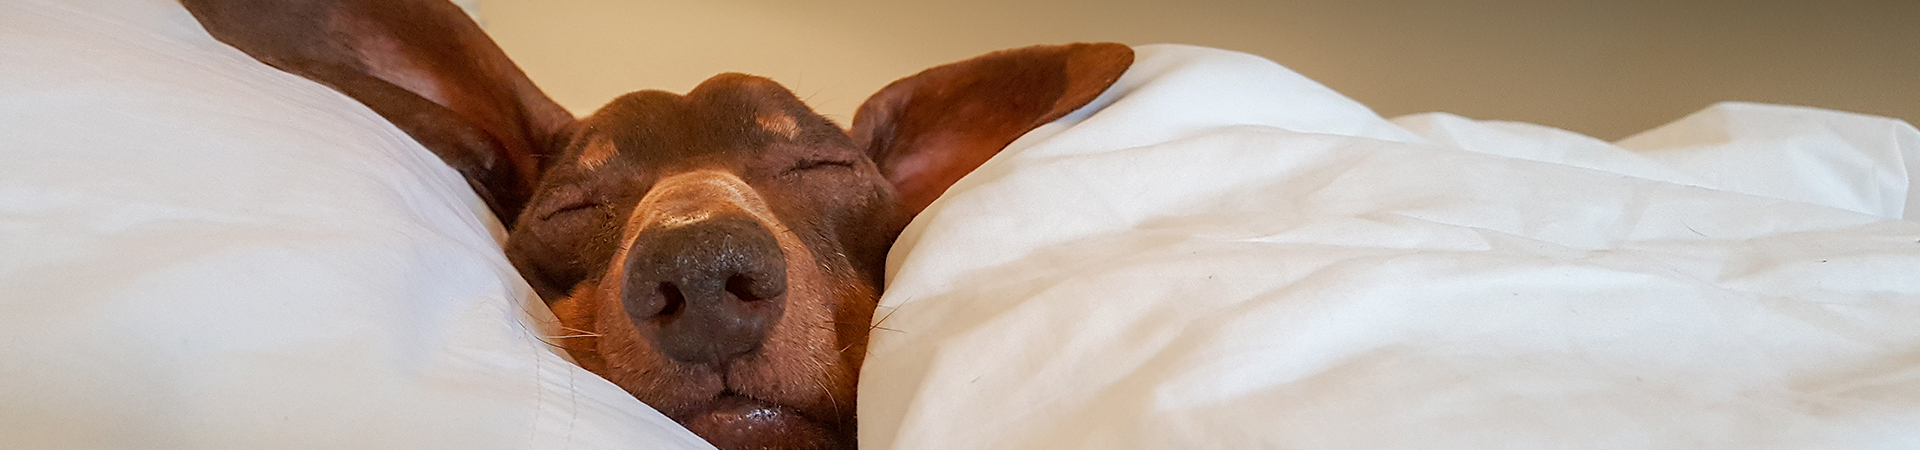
(928, 130)
(422, 64)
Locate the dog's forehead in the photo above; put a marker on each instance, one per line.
(727, 113)
(761, 102)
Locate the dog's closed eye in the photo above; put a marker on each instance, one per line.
(569, 199)
(819, 164)
(571, 208)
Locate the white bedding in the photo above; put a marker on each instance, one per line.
(1220, 253)
(198, 251)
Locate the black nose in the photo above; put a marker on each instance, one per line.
(708, 291)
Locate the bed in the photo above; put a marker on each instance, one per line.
(198, 251)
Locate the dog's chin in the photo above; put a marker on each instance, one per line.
(735, 422)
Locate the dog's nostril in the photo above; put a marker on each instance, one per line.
(672, 300)
(742, 288)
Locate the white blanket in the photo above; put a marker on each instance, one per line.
(198, 251)
(1220, 253)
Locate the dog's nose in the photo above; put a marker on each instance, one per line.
(706, 291)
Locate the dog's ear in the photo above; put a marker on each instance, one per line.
(928, 130)
(422, 64)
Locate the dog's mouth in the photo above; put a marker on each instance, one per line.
(733, 421)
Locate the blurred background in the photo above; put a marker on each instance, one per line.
(1605, 68)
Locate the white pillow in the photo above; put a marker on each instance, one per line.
(1220, 253)
(199, 251)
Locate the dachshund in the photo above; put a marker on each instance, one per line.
(719, 254)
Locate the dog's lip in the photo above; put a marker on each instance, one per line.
(733, 406)
(739, 421)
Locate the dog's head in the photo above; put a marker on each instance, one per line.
(717, 254)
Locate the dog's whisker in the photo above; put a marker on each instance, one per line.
(851, 344)
(883, 319)
(543, 340)
(830, 398)
(819, 369)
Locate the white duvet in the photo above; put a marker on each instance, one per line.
(1220, 253)
(198, 251)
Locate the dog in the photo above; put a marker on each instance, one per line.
(717, 254)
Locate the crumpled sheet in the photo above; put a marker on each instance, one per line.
(1221, 253)
(198, 251)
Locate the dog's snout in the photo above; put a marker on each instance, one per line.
(709, 290)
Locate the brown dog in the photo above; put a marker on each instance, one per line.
(721, 251)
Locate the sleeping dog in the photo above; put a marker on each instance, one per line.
(717, 254)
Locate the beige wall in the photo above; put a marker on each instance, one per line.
(1603, 68)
